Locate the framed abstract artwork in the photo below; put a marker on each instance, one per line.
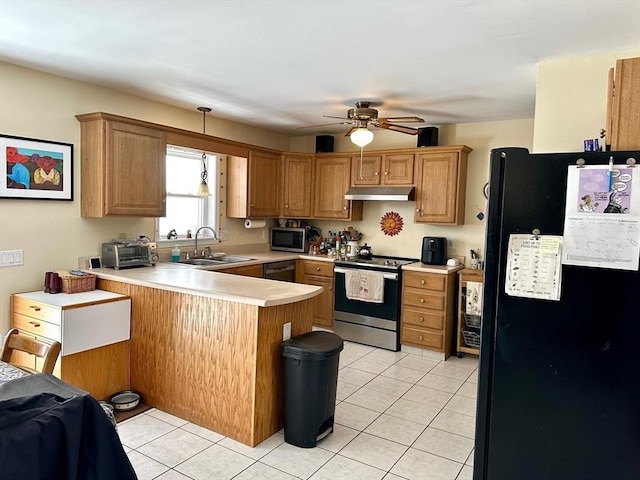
(35, 169)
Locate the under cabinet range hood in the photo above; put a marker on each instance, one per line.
(380, 193)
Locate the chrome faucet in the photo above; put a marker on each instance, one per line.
(215, 236)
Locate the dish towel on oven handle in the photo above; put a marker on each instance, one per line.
(364, 285)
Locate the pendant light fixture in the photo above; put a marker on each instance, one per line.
(361, 136)
(203, 189)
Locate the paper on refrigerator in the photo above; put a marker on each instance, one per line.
(534, 267)
(602, 217)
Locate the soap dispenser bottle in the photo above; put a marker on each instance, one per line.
(175, 254)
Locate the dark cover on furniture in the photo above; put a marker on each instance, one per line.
(51, 430)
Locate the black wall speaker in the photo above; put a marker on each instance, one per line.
(428, 137)
(324, 143)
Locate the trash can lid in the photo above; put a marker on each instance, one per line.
(316, 345)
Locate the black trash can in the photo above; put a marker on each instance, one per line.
(310, 382)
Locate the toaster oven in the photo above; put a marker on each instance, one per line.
(129, 253)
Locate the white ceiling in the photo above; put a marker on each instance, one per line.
(280, 64)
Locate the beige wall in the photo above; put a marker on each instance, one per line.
(571, 101)
(51, 233)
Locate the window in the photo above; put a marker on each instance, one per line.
(185, 210)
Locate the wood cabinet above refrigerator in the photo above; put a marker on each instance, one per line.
(623, 105)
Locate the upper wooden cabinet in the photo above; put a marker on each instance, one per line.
(385, 169)
(623, 105)
(253, 185)
(441, 182)
(332, 178)
(297, 182)
(123, 167)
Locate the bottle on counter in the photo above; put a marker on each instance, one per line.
(175, 254)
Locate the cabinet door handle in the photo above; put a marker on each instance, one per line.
(377, 173)
(386, 173)
(35, 307)
(422, 282)
(417, 210)
(286, 206)
(317, 269)
(35, 324)
(331, 289)
(422, 300)
(251, 205)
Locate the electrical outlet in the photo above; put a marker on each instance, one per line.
(264, 233)
(223, 235)
(122, 235)
(449, 243)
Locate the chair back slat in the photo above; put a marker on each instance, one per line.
(14, 341)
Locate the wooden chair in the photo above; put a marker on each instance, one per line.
(14, 341)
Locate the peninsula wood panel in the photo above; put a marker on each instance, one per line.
(212, 362)
(625, 112)
(102, 371)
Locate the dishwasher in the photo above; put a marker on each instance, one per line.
(284, 270)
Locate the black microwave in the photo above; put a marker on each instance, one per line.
(290, 239)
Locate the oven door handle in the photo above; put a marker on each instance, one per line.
(387, 276)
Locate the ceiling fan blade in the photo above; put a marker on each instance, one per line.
(322, 125)
(350, 131)
(398, 128)
(331, 116)
(401, 119)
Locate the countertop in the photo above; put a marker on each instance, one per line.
(188, 279)
(206, 281)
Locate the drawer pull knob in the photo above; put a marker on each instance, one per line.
(36, 308)
(317, 269)
(421, 337)
(422, 300)
(35, 324)
(422, 282)
(422, 319)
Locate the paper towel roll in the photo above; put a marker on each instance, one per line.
(254, 223)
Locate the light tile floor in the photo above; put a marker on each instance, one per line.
(398, 416)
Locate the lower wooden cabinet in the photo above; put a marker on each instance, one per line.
(246, 270)
(428, 310)
(93, 328)
(320, 274)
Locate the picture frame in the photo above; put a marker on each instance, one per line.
(35, 169)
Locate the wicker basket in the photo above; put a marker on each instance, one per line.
(78, 283)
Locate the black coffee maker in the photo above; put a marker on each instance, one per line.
(434, 251)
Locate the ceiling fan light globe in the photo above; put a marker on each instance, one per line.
(361, 137)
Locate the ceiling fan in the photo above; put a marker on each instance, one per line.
(363, 115)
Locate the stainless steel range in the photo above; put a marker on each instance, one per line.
(372, 321)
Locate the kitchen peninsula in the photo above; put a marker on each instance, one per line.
(205, 346)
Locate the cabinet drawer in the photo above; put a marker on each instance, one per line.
(36, 310)
(422, 337)
(423, 299)
(39, 328)
(324, 269)
(423, 318)
(427, 281)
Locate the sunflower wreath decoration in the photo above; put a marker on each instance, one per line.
(391, 223)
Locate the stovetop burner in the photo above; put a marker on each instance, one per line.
(378, 262)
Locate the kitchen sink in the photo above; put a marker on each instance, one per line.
(215, 261)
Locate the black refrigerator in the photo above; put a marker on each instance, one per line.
(559, 381)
